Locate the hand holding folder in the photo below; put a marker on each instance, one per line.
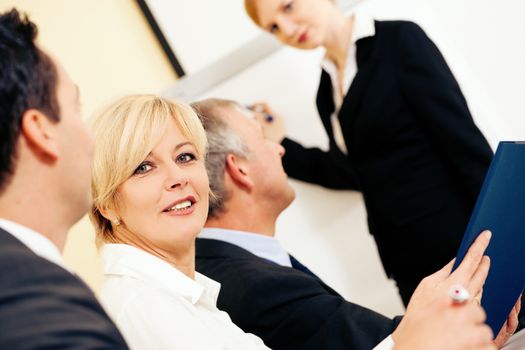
(500, 208)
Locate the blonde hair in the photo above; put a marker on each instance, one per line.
(125, 133)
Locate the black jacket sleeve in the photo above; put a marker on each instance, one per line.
(319, 167)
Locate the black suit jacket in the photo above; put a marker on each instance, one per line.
(287, 308)
(414, 150)
(42, 306)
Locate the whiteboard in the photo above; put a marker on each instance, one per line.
(209, 38)
(201, 31)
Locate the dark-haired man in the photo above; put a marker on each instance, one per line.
(45, 165)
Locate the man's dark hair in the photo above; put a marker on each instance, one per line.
(28, 79)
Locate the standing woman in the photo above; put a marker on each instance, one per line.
(399, 130)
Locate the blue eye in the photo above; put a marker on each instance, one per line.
(143, 168)
(186, 157)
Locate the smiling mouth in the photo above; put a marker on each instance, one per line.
(181, 206)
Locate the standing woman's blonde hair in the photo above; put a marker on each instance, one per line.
(251, 10)
(125, 133)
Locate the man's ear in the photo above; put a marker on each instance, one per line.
(38, 130)
(237, 169)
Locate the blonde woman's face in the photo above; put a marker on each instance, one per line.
(165, 202)
(299, 23)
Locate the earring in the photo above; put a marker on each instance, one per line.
(116, 222)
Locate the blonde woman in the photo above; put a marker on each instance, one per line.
(150, 192)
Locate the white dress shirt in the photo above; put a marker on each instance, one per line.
(158, 307)
(35, 241)
(363, 27)
(267, 248)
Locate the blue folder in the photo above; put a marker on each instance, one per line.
(500, 208)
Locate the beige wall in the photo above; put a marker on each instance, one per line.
(109, 50)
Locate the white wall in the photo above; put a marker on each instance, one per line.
(200, 32)
(196, 30)
(482, 42)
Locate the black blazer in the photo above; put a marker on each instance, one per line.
(414, 150)
(287, 308)
(42, 306)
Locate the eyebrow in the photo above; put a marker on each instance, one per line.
(183, 144)
(180, 145)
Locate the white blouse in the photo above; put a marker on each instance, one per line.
(364, 26)
(158, 307)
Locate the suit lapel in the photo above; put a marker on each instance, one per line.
(325, 103)
(354, 98)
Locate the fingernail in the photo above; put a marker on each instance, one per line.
(488, 234)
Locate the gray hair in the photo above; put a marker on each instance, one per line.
(222, 140)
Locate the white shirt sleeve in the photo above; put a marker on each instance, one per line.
(386, 344)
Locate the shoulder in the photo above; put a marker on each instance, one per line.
(124, 296)
(407, 41)
(400, 33)
(397, 28)
(21, 269)
(140, 310)
(241, 272)
(391, 40)
(44, 301)
(244, 277)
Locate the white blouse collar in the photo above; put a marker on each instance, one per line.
(126, 260)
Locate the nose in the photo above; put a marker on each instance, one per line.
(175, 178)
(287, 27)
(181, 183)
